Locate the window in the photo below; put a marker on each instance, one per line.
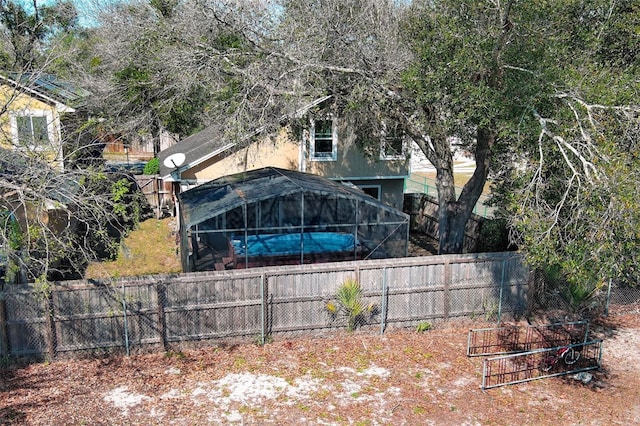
(392, 143)
(371, 190)
(323, 141)
(33, 130)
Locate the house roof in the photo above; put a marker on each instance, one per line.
(47, 87)
(196, 148)
(229, 192)
(210, 142)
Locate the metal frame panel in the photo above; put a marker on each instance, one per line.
(527, 366)
(514, 339)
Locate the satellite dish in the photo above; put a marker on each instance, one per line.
(174, 160)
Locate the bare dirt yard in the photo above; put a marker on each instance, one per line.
(400, 378)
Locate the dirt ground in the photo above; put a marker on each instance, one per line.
(400, 378)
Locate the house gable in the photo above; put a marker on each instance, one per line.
(209, 146)
(279, 151)
(331, 153)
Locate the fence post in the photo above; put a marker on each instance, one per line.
(447, 285)
(264, 308)
(504, 265)
(4, 337)
(606, 307)
(157, 195)
(125, 319)
(162, 322)
(383, 302)
(51, 329)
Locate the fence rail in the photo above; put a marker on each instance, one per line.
(160, 312)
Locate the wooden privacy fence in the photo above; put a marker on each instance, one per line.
(423, 212)
(162, 312)
(157, 193)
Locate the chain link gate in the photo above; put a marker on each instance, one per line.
(533, 352)
(513, 338)
(538, 364)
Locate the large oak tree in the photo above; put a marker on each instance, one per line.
(542, 94)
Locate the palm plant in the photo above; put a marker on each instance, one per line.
(349, 307)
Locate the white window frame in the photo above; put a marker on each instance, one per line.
(48, 115)
(383, 146)
(324, 156)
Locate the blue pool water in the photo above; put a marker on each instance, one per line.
(289, 244)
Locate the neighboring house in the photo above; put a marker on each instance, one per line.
(31, 107)
(31, 150)
(325, 146)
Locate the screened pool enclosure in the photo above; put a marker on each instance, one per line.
(274, 216)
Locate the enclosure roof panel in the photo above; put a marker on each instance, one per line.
(226, 193)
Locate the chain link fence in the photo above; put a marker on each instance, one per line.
(176, 312)
(621, 299)
(163, 313)
(552, 295)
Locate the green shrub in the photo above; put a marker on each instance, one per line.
(152, 167)
(423, 326)
(494, 236)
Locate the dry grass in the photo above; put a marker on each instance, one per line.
(400, 378)
(150, 249)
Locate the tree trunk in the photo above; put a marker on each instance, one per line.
(446, 202)
(453, 213)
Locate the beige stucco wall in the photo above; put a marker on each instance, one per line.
(273, 152)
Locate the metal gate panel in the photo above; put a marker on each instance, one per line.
(513, 338)
(526, 366)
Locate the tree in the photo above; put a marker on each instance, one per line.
(241, 63)
(53, 221)
(502, 80)
(24, 34)
(132, 71)
(570, 201)
(458, 89)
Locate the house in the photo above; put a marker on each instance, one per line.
(31, 107)
(132, 153)
(31, 150)
(323, 145)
